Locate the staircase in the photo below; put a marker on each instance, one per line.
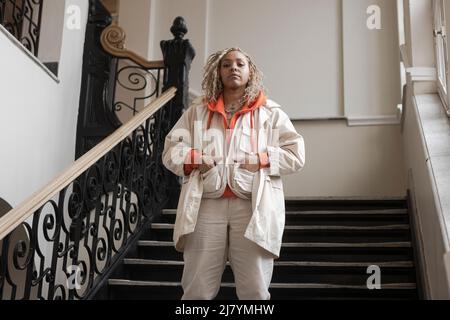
(327, 247)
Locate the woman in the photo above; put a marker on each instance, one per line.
(231, 148)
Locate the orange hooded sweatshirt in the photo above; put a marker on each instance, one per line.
(193, 157)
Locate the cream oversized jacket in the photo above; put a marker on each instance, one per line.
(273, 133)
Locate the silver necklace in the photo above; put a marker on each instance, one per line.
(232, 108)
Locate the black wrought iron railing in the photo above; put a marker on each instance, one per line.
(137, 81)
(22, 18)
(64, 240)
(117, 82)
(61, 241)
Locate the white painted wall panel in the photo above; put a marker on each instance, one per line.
(38, 116)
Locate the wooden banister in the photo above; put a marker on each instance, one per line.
(28, 207)
(113, 42)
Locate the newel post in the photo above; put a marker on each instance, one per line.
(178, 55)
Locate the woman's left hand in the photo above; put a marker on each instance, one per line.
(251, 162)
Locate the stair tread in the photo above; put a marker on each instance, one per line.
(390, 286)
(350, 238)
(346, 199)
(166, 226)
(331, 212)
(347, 212)
(405, 244)
(152, 243)
(393, 264)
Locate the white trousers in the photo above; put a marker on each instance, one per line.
(218, 236)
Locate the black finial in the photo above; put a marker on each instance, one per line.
(179, 28)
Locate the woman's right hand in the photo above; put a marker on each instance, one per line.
(207, 164)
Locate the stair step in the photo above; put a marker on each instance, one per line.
(328, 264)
(338, 252)
(150, 243)
(347, 245)
(170, 226)
(328, 245)
(330, 217)
(389, 286)
(313, 233)
(377, 212)
(126, 289)
(284, 271)
(342, 212)
(345, 203)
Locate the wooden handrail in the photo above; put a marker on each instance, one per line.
(113, 42)
(27, 208)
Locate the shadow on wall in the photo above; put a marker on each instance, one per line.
(12, 287)
(4, 207)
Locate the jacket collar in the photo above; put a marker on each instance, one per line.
(219, 107)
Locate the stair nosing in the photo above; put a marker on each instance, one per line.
(401, 244)
(331, 212)
(340, 199)
(348, 212)
(350, 228)
(390, 286)
(157, 225)
(383, 264)
(170, 226)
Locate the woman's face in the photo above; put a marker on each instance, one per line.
(234, 70)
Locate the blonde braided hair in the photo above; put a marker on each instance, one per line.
(212, 84)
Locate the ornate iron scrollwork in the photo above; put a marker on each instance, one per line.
(65, 249)
(135, 88)
(69, 243)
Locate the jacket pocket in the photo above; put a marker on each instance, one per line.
(245, 143)
(243, 179)
(211, 180)
(276, 182)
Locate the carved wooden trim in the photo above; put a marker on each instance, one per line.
(27, 208)
(113, 42)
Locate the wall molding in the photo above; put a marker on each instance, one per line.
(351, 121)
(375, 120)
(419, 74)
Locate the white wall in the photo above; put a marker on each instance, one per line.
(134, 18)
(429, 225)
(419, 43)
(37, 115)
(51, 35)
(343, 161)
(295, 43)
(195, 12)
(419, 39)
(371, 59)
(305, 48)
(300, 47)
(423, 143)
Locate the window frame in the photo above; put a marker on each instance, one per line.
(441, 53)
